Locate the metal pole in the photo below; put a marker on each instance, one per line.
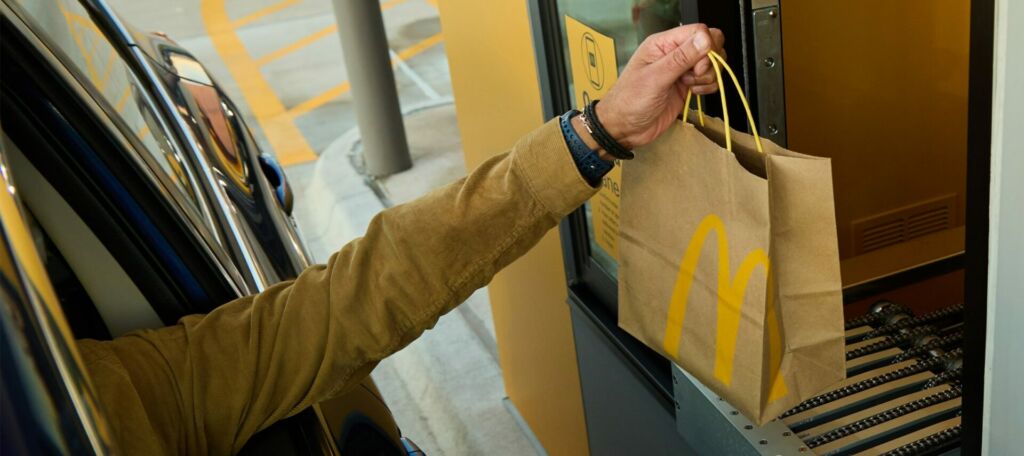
(367, 61)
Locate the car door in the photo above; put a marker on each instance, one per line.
(47, 404)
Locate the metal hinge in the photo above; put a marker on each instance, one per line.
(768, 74)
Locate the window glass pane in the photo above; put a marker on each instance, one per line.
(627, 22)
(67, 26)
(603, 258)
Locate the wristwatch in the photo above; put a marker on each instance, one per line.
(588, 162)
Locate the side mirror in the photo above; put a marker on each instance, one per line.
(275, 176)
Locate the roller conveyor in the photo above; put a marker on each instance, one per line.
(902, 395)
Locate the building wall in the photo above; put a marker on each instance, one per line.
(497, 100)
(1004, 407)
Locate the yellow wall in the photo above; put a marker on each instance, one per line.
(880, 86)
(497, 100)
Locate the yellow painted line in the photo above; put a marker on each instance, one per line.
(143, 132)
(261, 13)
(107, 70)
(320, 100)
(81, 20)
(122, 101)
(417, 48)
(340, 89)
(72, 18)
(284, 137)
(305, 41)
(310, 39)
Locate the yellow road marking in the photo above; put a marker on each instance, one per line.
(122, 101)
(310, 39)
(72, 18)
(107, 70)
(417, 48)
(79, 19)
(306, 41)
(285, 139)
(340, 89)
(259, 14)
(320, 99)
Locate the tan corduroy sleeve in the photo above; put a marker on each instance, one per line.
(210, 382)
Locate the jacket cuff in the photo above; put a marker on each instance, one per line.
(543, 159)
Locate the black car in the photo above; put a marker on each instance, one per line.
(134, 194)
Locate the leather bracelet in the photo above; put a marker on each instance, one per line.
(603, 138)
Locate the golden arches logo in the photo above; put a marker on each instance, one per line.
(731, 291)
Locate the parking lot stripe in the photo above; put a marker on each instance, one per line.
(340, 89)
(320, 99)
(108, 69)
(305, 41)
(419, 47)
(312, 38)
(287, 142)
(122, 101)
(260, 13)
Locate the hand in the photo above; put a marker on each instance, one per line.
(652, 88)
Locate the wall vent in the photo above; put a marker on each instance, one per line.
(903, 224)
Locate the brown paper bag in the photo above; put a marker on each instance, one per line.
(730, 265)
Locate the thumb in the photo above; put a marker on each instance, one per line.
(683, 58)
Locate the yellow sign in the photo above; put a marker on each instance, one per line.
(594, 70)
(730, 299)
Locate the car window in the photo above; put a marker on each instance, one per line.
(68, 27)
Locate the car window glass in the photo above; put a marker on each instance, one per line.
(68, 26)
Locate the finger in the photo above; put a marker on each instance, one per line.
(702, 66)
(718, 38)
(682, 89)
(705, 89)
(683, 58)
(690, 79)
(672, 38)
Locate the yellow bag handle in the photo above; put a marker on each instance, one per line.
(718, 63)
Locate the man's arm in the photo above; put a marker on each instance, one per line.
(210, 382)
(259, 359)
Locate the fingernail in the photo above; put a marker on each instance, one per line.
(700, 41)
